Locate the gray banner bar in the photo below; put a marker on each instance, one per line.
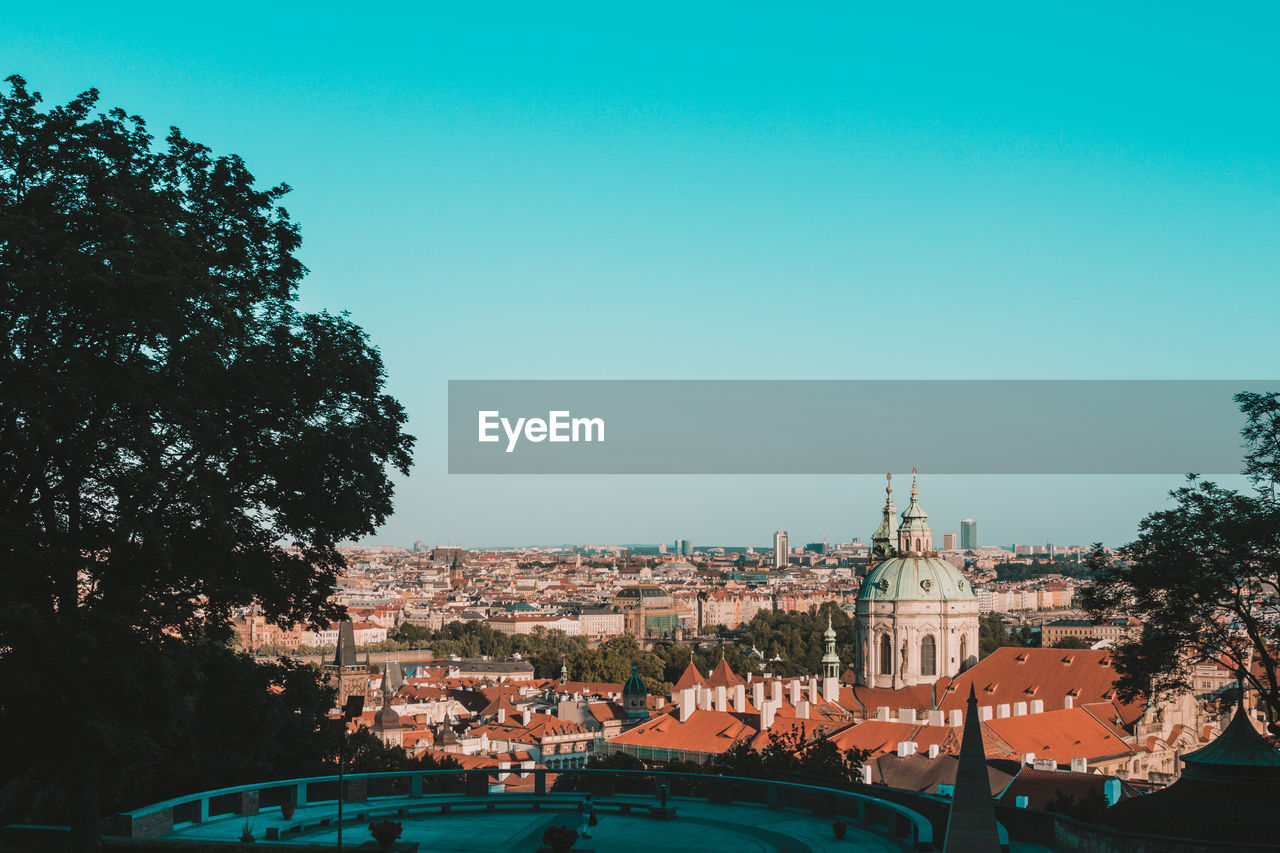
(846, 426)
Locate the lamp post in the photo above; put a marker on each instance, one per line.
(351, 711)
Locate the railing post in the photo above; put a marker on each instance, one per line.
(772, 796)
(540, 782)
(415, 784)
(301, 794)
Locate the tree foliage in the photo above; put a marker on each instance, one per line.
(1204, 576)
(787, 753)
(177, 438)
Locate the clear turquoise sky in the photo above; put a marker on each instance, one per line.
(571, 191)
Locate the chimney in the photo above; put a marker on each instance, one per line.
(739, 697)
(1069, 701)
(757, 694)
(502, 716)
(1045, 764)
(704, 698)
(937, 718)
(1079, 765)
(525, 717)
(767, 710)
(984, 713)
(802, 709)
(865, 773)
(775, 692)
(1028, 758)
(795, 691)
(721, 698)
(687, 701)
(1019, 709)
(882, 713)
(1002, 711)
(1037, 706)
(750, 675)
(933, 750)
(906, 715)
(902, 749)
(1021, 802)
(831, 689)
(813, 688)
(957, 717)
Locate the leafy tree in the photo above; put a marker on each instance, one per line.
(787, 753)
(1204, 576)
(1071, 643)
(177, 438)
(993, 634)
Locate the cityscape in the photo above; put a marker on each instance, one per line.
(603, 428)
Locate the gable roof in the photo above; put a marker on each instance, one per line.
(1061, 735)
(1010, 675)
(704, 731)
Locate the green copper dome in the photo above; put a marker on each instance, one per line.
(916, 579)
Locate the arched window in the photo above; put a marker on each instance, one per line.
(886, 655)
(964, 652)
(918, 548)
(928, 656)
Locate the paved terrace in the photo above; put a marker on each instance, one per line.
(460, 810)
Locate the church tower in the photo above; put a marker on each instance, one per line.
(886, 535)
(830, 665)
(917, 616)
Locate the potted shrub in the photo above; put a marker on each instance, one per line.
(286, 809)
(385, 832)
(246, 834)
(559, 838)
(839, 828)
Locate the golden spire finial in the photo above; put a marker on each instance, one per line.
(888, 490)
(913, 481)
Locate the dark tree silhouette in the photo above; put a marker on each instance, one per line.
(1204, 576)
(176, 437)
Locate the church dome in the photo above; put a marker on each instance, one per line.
(916, 579)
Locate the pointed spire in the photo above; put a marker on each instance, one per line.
(971, 825)
(914, 534)
(883, 540)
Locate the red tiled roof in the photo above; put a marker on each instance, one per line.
(704, 731)
(1061, 735)
(689, 678)
(723, 675)
(1012, 675)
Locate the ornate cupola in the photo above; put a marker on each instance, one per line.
(915, 537)
(635, 696)
(830, 660)
(882, 541)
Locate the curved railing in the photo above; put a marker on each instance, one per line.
(405, 791)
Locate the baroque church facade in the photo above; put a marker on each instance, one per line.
(916, 615)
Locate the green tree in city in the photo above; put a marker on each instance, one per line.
(1204, 576)
(788, 753)
(177, 439)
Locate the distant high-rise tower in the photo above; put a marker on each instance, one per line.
(780, 549)
(948, 541)
(968, 534)
(682, 548)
